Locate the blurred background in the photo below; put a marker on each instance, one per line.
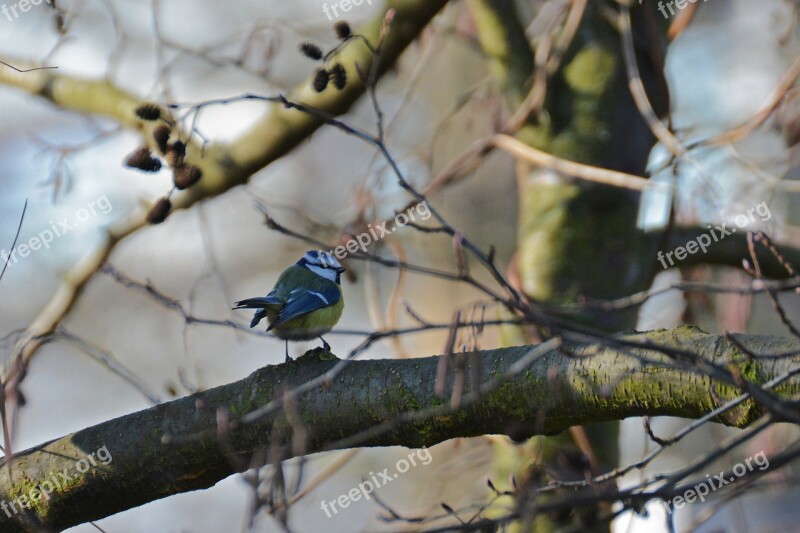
(133, 352)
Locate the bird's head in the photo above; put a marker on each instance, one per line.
(323, 264)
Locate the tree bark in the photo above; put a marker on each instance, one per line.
(194, 442)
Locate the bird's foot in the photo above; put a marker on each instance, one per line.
(317, 354)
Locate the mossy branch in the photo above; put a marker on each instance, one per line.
(525, 391)
(501, 36)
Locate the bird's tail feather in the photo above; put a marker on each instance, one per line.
(262, 303)
(256, 303)
(257, 318)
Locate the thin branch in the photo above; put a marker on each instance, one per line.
(27, 69)
(16, 236)
(594, 174)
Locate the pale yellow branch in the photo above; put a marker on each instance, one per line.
(522, 151)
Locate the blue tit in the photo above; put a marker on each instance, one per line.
(306, 302)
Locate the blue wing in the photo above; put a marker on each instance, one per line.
(302, 301)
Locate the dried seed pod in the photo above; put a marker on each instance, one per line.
(148, 111)
(158, 213)
(175, 154)
(185, 176)
(321, 80)
(142, 159)
(161, 137)
(179, 147)
(311, 50)
(342, 29)
(339, 75)
(61, 26)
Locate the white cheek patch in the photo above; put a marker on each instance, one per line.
(327, 273)
(321, 260)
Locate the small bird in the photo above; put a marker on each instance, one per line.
(306, 301)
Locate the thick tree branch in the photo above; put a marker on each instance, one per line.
(188, 444)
